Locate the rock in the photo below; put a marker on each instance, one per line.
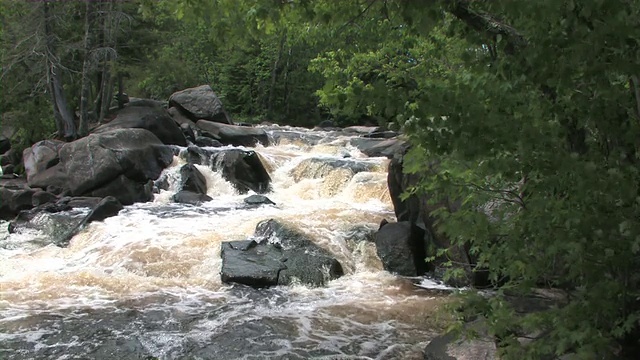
(79, 202)
(53, 222)
(446, 347)
(107, 207)
(5, 144)
(258, 200)
(401, 248)
(126, 190)
(295, 137)
(379, 147)
(278, 255)
(381, 135)
(361, 130)
(207, 142)
(152, 118)
(243, 169)
(10, 157)
(326, 124)
(139, 102)
(42, 197)
(14, 199)
(192, 179)
(419, 211)
(187, 131)
(200, 103)
(233, 135)
(8, 169)
(179, 117)
(41, 156)
(249, 263)
(188, 197)
(315, 168)
(119, 163)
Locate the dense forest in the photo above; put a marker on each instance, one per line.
(523, 117)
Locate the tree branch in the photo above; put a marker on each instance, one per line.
(486, 23)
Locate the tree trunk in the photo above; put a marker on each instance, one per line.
(63, 117)
(83, 127)
(106, 91)
(274, 74)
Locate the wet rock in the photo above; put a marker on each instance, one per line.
(258, 200)
(326, 124)
(188, 197)
(250, 263)
(10, 157)
(315, 168)
(243, 169)
(5, 144)
(8, 169)
(294, 137)
(446, 347)
(379, 147)
(79, 202)
(180, 118)
(420, 210)
(401, 248)
(107, 207)
(200, 103)
(41, 156)
(15, 196)
(278, 255)
(53, 221)
(207, 142)
(361, 130)
(152, 118)
(187, 131)
(118, 163)
(232, 134)
(381, 135)
(43, 197)
(192, 179)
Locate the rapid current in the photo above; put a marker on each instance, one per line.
(146, 285)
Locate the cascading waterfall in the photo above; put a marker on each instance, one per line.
(146, 283)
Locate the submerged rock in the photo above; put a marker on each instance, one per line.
(279, 255)
(192, 179)
(258, 200)
(190, 197)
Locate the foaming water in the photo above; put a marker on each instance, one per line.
(146, 283)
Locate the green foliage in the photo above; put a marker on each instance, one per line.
(538, 141)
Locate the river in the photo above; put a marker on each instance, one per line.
(145, 284)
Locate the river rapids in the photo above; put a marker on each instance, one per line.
(146, 284)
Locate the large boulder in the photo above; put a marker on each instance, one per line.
(41, 156)
(120, 163)
(200, 103)
(233, 134)
(15, 196)
(277, 255)
(152, 118)
(401, 248)
(420, 210)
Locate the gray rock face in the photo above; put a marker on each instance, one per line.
(41, 156)
(446, 347)
(279, 255)
(379, 147)
(152, 118)
(14, 197)
(400, 246)
(200, 103)
(232, 134)
(119, 163)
